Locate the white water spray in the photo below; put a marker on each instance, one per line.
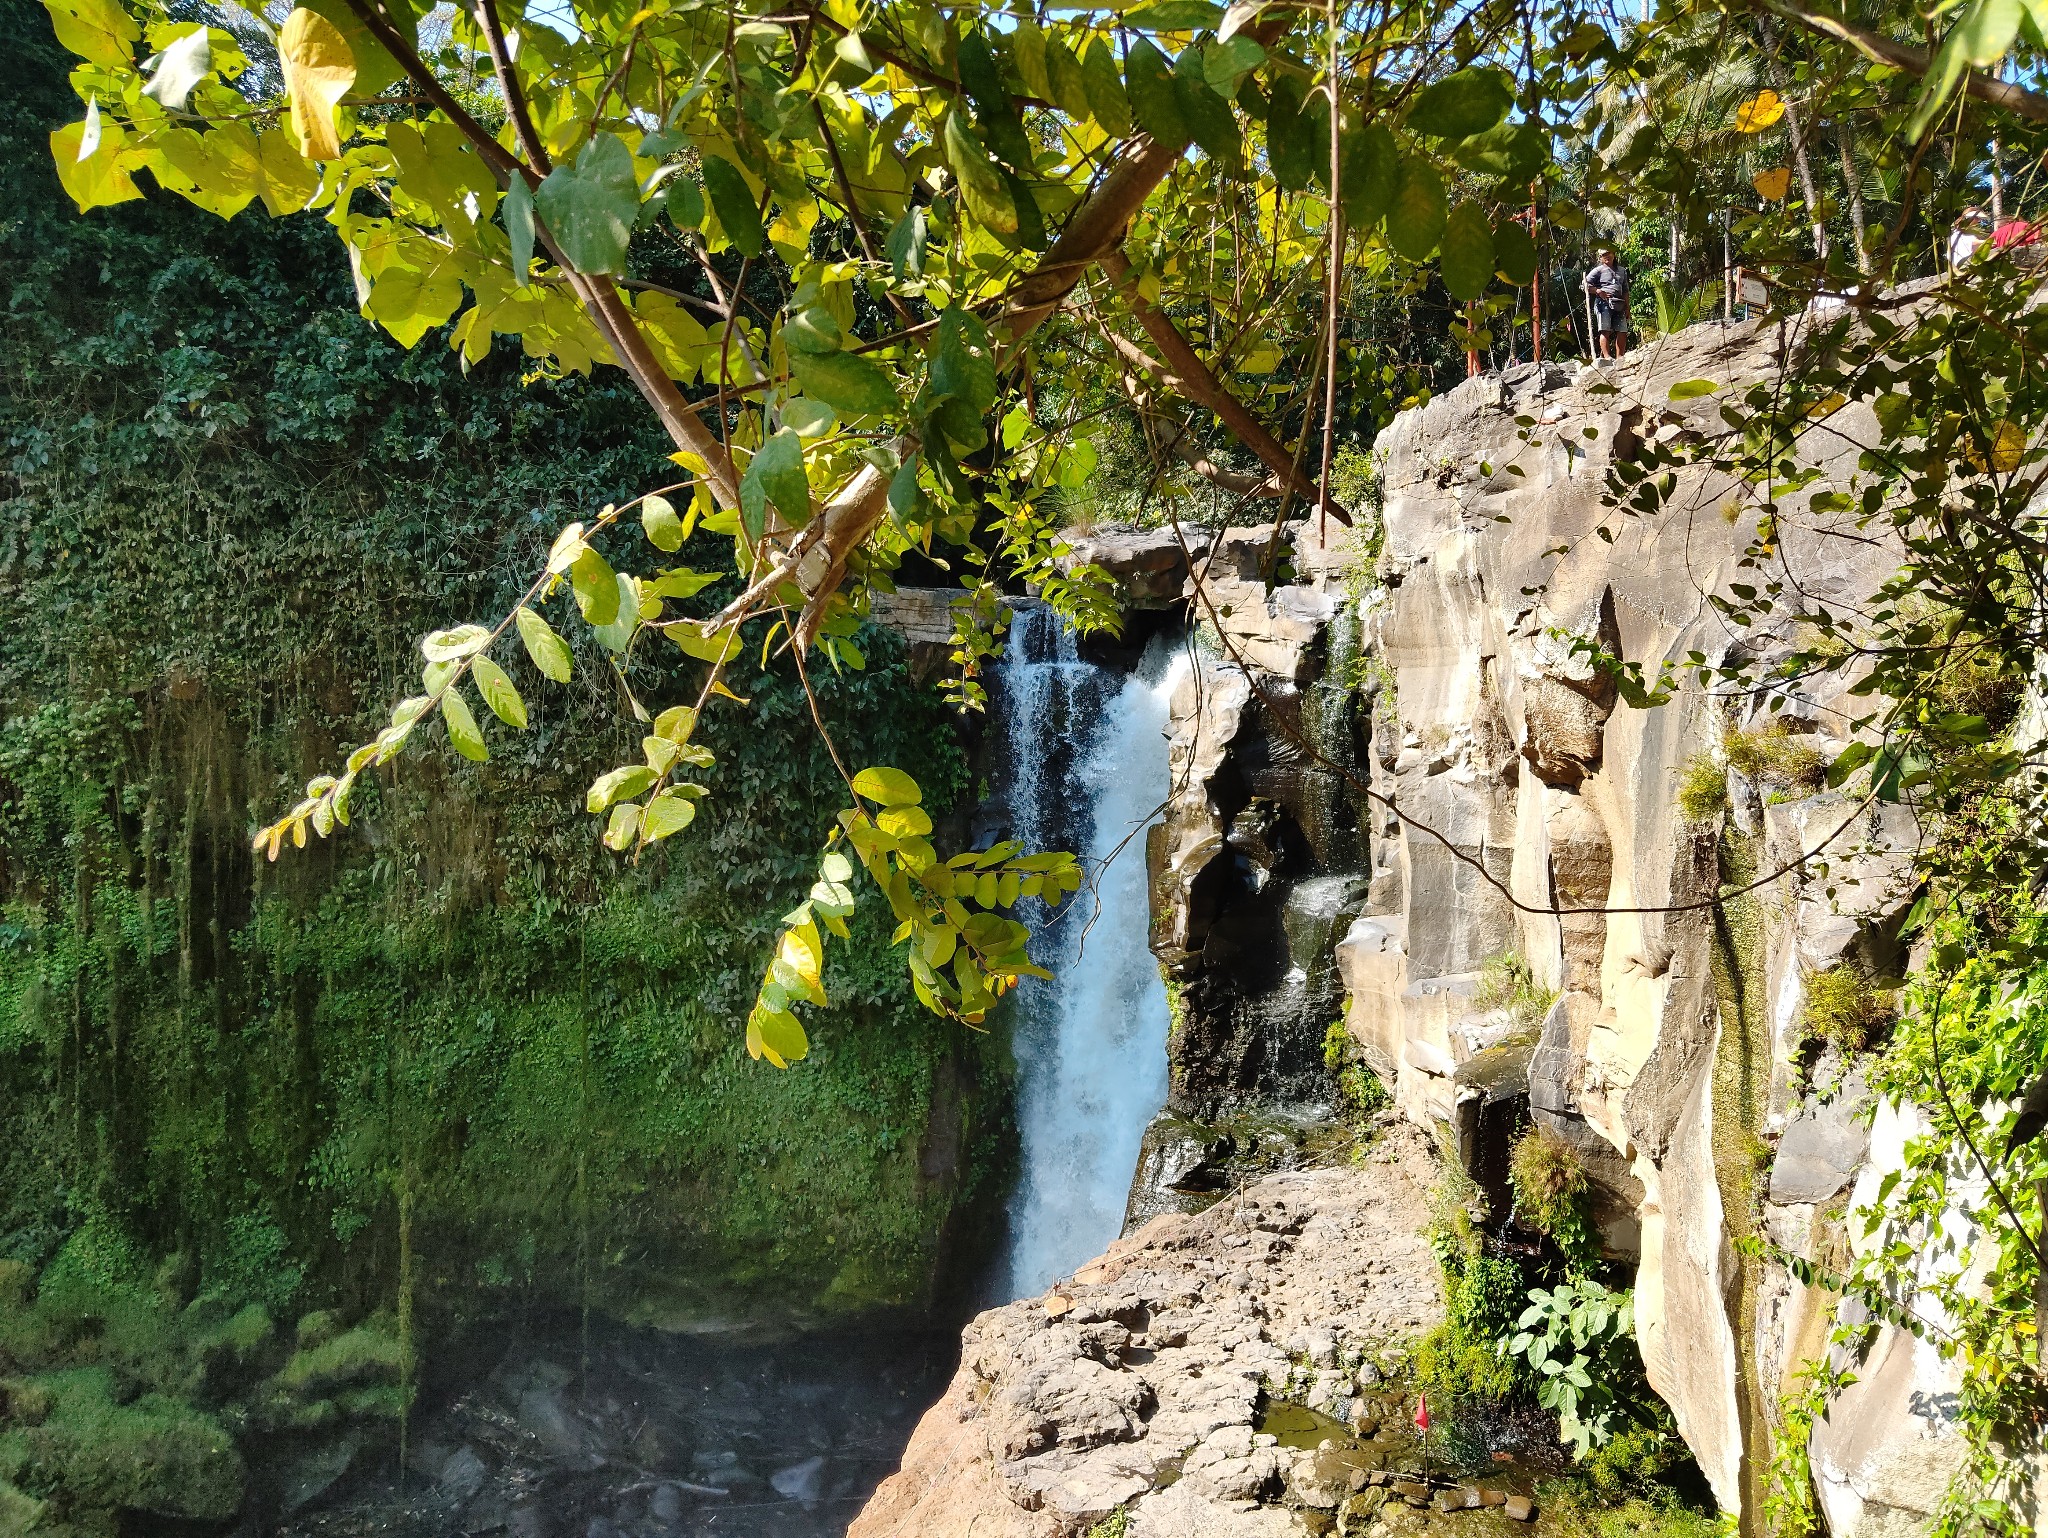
(1089, 763)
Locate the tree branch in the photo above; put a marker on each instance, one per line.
(2031, 105)
(1191, 377)
(600, 298)
(1178, 439)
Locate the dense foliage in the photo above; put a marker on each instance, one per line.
(255, 1118)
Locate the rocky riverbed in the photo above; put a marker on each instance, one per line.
(641, 1435)
(1157, 1378)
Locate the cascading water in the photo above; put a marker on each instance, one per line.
(1087, 771)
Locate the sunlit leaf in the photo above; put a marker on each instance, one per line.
(550, 653)
(891, 787)
(462, 727)
(318, 70)
(498, 692)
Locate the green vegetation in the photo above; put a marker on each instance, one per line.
(1506, 983)
(1844, 1009)
(1460, 1359)
(1776, 758)
(1702, 788)
(1115, 1525)
(231, 1092)
(1579, 1341)
(1553, 1197)
(1358, 1088)
(1589, 1512)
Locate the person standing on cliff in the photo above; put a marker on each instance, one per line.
(1607, 297)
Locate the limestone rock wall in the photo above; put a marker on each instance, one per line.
(1138, 1383)
(1412, 758)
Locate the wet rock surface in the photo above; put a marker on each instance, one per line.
(647, 1435)
(1146, 1379)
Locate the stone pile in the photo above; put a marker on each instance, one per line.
(1140, 1382)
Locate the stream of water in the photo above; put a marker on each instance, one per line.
(1087, 771)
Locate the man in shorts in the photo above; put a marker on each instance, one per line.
(1607, 293)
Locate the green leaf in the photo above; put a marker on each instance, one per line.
(1297, 134)
(658, 518)
(995, 113)
(550, 653)
(846, 382)
(963, 361)
(776, 1035)
(1468, 251)
(1027, 52)
(675, 724)
(596, 587)
(591, 207)
(1466, 103)
(1104, 82)
(811, 330)
(906, 243)
(739, 212)
(776, 475)
(981, 184)
(1692, 389)
(453, 645)
(1072, 90)
(1514, 253)
(1415, 219)
(615, 633)
(1176, 16)
(623, 825)
(498, 692)
(1515, 152)
(180, 67)
(518, 213)
(1155, 103)
(1369, 169)
(1208, 116)
(616, 785)
(891, 787)
(719, 646)
(684, 199)
(678, 582)
(1225, 64)
(1847, 762)
(462, 729)
(667, 813)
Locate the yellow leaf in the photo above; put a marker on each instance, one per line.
(288, 183)
(1772, 185)
(318, 70)
(1759, 112)
(99, 30)
(804, 949)
(718, 687)
(2008, 448)
(98, 180)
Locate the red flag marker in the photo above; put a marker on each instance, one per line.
(1422, 1412)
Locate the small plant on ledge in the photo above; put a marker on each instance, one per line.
(1553, 1196)
(1506, 983)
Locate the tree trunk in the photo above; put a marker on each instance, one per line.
(1782, 84)
(1852, 179)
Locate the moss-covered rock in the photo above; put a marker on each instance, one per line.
(154, 1454)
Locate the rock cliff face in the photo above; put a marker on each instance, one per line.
(1474, 797)
(1400, 776)
(1140, 1381)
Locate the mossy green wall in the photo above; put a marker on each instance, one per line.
(229, 510)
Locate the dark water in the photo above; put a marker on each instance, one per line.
(647, 1434)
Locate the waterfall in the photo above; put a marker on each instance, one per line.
(1087, 768)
